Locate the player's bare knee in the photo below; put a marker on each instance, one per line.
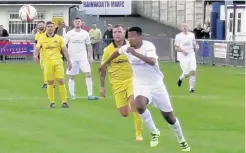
(192, 73)
(141, 103)
(51, 82)
(60, 81)
(124, 111)
(88, 75)
(71, 77)
(169, 117)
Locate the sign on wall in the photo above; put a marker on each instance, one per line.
(236, 51)
(57, 18)
(107, 7)
(220, 50)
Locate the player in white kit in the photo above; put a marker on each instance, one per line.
(185, 45)
(148, 85)
(78, 41)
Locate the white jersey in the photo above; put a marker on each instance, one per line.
(143, 73)
(77, 42)
(185, 42)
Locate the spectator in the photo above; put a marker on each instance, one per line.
(96, 37)
(62, 29)
(84, 27)
(3, 32)
(198, 32)
(206, 31)
(108, 35)
(35, 30)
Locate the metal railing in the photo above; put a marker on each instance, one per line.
(218, 52)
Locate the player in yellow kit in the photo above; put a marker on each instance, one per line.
(52, 45)
(120, 76)
(41, 31)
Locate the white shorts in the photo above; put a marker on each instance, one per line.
(188, 65)
(84, 66)
(156, 94)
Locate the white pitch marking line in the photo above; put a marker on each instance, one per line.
(109, 97)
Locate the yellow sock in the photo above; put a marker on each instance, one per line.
(138, 123)
(45, 80)
(63, 93)
(51, 93)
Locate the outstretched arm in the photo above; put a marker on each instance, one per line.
(112, 57)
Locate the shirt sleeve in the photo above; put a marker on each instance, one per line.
(62, 42)
(151, 52)
(39, 42)
(36, 38)
(193, 39)
(105, 56)
(66, 38)
(123, 49)
(177, 41)
(88, 39)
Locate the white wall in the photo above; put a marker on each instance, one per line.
(49, 12)
(172, 13)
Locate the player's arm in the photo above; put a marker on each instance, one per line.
(37, 49)
(177, 44)
(194, 42)
(112, 57)
(103, 72)
(89, 47)
(150, 57)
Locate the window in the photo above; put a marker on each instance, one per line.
(16, 26)
(239, 22)
(230, 22)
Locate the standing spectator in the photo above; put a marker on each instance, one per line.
(62, 29)
(96, 37)
(35, 30)
(198, 32)
(108, 35)
(206, 31)
(3, 32)
(84, 27)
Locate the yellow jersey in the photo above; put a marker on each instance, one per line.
(38, 35)
(51, 46)
(119, 69)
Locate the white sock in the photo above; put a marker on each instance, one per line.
(147, 119)
(89, 85)
(183, 76)
(71, 86)
(192, 82)
(178, 131)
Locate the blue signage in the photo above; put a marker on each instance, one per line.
(103, 4)
(7, 48)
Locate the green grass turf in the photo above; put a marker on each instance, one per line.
(212, 118)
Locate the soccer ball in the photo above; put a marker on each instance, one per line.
(27, 13)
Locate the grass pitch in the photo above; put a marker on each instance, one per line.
(212, 118)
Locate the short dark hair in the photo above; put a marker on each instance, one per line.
(119, 25)
(78, 18)
(138, 30)
(49, 22)
(40, 22)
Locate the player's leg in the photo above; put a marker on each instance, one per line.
(59, 76)
(71, 83)
(86, 69)
(185, 71)
(44, 76)
(142, 98)
(138, 122)
(122, 104)
(49, 75)
(192, 68)
(161, 100)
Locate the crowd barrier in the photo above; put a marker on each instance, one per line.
(218, 52)
(212, 52)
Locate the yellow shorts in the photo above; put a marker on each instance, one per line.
(53, 69)
(122, 97)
